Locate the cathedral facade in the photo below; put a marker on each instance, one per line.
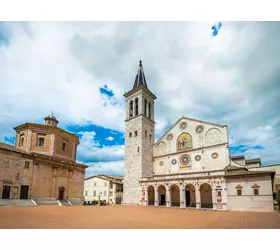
(189, 166)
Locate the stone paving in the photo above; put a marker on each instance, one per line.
(125, 217)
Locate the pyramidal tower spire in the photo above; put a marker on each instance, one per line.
(140, 79)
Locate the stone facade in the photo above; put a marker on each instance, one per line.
(104, 187)
(41, 170)
(190, 165)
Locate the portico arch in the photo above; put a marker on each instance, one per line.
(175, 195)
(206, 196)
(151, 195)
(190, 195)
(161, 195)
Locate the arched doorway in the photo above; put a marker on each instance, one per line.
(206, 196)
(175, 195)
(161, 195)
(151, 195)
(61, 191)
(190, 195)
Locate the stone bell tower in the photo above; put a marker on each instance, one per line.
(139, 137)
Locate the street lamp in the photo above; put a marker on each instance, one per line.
(100, 193)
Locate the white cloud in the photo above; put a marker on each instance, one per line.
(110, 138)
(232, 78)
(111, 168)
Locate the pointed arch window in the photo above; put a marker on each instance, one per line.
(145, 108)
(131, 109)
(136, 106)
(149, 110)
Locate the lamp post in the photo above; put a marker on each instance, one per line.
(100, 193)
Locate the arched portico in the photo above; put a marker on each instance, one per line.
(161, 195)
(175, 195)
(190, 195)
(206, 196)
(151, 195)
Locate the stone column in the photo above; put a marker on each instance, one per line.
(214, 198)
(182, 198)
(156, 196)
(146, 197)
(224, 198)
(168, 200)
(197, 198)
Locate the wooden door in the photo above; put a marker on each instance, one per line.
(6, 192)
(24, 192)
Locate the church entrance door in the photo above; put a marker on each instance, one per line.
(188, 198)
(24, 192)
(6, 192)
(162, 199)
(61, 193)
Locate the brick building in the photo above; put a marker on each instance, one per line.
(42, 165)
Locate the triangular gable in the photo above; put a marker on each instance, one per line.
(238, 186)
(188, 119)
(255, 186)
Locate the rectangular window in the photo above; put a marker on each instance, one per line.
(105, 193)
(21, 141)
(26, 165)
(105, 184)
(239, 192)
(64, 146)
(145, 133)
(150, 137)
(135, 133)
(256, 191)
(41, 141)
(94, 183)
(86, 193)
(111, 193)
(219, 193)
(94, 193)
(111, 185)
(130, 135)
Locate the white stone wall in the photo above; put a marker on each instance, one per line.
(100, 186)
(248, 201)
(138, 149)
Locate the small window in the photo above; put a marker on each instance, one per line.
(138, 149)
(150, 137)
(105, 184)
(239, 192)
(94, 193)
(41, 141)
(135, 133)
(130, 135)
(85, 193)
(145, 133)
(219, 193)
(149, 110)
(256, 191)
(64, 146)
(111, 193)
(21, 141)
(26, 165)
(94, 183)
(111, 185)
(105, 193)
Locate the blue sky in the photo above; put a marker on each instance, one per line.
(222, 72)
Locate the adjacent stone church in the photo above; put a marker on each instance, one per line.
(189, 166)
(42, 165)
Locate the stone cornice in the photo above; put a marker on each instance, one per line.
(191, 175)
(47, 128)
(135, 90)
(139, 116)
(191, 150)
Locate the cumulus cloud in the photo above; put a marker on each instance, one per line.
(112, 168)
(110, 138)
(232, 78)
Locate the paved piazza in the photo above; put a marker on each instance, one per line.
(117, 216)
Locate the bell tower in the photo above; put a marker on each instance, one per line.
(139, 137)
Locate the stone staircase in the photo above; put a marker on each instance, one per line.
(64, 203)
(17, 203)
(47, 202)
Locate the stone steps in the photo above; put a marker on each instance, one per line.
(17, 203)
